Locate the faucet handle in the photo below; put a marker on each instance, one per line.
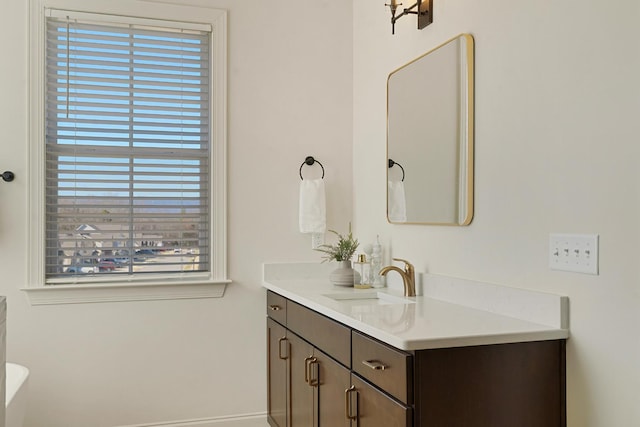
(408, 267)
(402, 260)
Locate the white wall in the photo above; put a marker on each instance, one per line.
(557, 104)
(109, 364)
(557, 95)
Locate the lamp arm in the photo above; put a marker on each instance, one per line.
(406, 11)
(424, 15)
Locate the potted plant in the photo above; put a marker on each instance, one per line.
(342, 252)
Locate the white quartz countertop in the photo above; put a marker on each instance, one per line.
(451, 313)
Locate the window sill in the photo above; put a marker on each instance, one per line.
(78, 294)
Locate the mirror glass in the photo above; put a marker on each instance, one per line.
(430, 137)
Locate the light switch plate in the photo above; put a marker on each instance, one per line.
(574, 252)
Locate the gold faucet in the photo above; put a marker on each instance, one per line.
(408, 276)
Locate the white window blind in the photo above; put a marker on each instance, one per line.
(128, 149)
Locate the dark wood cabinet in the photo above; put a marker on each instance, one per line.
(306, 386)
(277, 367)
(333, 383)
(520, 384)
(322, 373)
(301, 395)
(374, 408)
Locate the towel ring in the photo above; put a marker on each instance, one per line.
(7, 176)
(310, 161)
(392, 164)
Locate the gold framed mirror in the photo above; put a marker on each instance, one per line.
(430, 144)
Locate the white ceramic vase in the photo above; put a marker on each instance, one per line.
(343, 275)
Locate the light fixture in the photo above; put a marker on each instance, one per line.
(422, 8)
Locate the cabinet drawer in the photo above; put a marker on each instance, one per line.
(384, 366)
(330, 336)
(277, 307)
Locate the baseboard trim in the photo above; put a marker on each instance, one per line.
(244, 420)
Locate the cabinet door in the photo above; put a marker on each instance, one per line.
(331, 380)
(301, 395)
(277, 366)
(376, 409)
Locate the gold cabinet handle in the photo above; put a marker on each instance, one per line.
(275, 307)
(375, 365)
(311, 365)
(347, 403)
(280, 341)
(307, 369)
(314, 381)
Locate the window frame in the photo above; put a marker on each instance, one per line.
(151, 286)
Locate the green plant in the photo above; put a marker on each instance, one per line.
(343, 250)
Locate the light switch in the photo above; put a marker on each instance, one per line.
(574, 252)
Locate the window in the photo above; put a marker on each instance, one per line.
(130, 179)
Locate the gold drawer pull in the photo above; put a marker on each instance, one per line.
(275, 307)
(348, 403)
(374, 364)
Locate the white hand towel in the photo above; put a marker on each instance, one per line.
(396, 202)
(312, 206)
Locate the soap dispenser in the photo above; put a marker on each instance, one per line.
(363, 267)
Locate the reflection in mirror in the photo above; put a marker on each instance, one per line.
(430, 137)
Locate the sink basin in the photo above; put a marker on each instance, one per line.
(368, 298)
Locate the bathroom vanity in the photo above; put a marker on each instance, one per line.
(463, 354)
